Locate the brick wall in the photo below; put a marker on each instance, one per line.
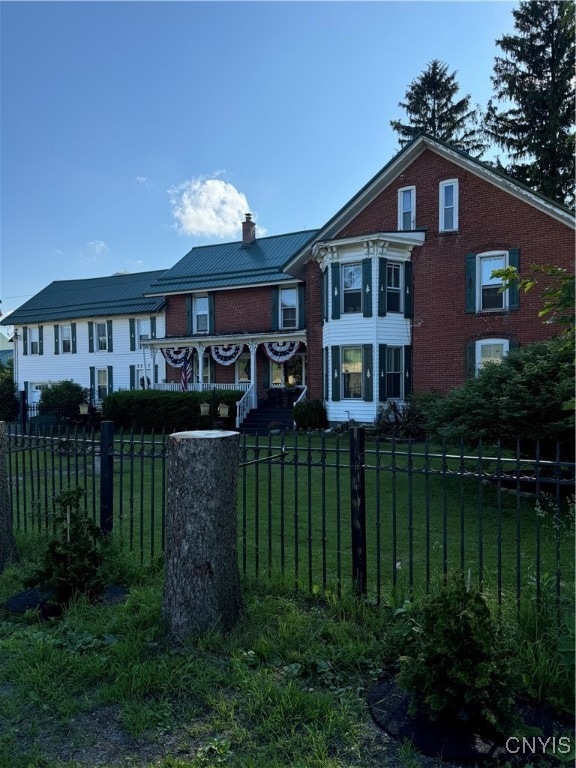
(489, 219)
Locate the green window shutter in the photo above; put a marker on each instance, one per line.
(382, 268)
(155, 374)
(211, 313)
(408, 303)
(109, 335)
(189, 323)
(325, 295)
(56, 339)
(40, 339)
(336, 372)
(407, 371)
(335, 292)
(132, 377)
(275, 309)
(513, 292)
(513, 344)
(110, 379)
(152, 327)
(132, 325)
(367, 372)
(301, 306)
(266, 374)
(382, 395)
(470, 279)
(73, 331)
(92, 384)
(25, 340)
(367, 287)
(470, 360)
(90, 336)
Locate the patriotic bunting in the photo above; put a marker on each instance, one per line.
(281, 351)
(176, 356)
(226, 354)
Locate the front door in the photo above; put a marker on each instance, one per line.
(290, 374)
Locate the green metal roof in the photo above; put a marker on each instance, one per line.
(121, 294)
(229, 265)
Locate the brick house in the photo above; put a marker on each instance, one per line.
(392, 295)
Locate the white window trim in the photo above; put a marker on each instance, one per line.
(281, 318)
(343, 291)
(482, 342)
(96, 337)
(442, 207)
(400, 266)
(62, 350)
(505, 294)
(195, 314)
(401, 372)
(342, 373)
(97, 383)
(412, 189)
(33, 338)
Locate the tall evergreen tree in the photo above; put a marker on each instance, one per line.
(532, 115)
(432, 107)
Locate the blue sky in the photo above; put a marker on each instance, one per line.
(133, 131)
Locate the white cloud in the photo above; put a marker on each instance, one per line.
(144, 182)
(209, 207)
(97, 247)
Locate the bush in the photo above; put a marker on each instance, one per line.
(153, 409)
(9, 406)
(310, 414)
(62, 399)
(455, 669)
(526, 396)
(72, 562)
(404, 420)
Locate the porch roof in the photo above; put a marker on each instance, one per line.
(224, 339)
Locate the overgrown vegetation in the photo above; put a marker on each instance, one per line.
(529, 395)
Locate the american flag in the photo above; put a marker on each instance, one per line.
(184, 375)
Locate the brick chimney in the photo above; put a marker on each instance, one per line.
(248, 230)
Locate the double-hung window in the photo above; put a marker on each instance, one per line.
(491, 296)
(65, 339)
(491, 351)
(394, 287)
(394, 372)
(288, 308)
(34, 341)
(407, 208)
(448, 198)
(101, 337)
(201, 314)
(352, 287)
(102, 383)
(351, 372)
(142, 331)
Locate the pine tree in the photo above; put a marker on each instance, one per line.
(431, 108)
(532, 115)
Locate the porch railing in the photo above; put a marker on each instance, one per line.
(302, 396)
(197, 387)
(244, 405)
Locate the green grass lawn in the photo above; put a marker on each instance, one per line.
(425, 515)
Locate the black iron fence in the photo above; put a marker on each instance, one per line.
(332, 513)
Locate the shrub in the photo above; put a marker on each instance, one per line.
(62, 398)
(153, 409)
(455, 668)
(8, 400)
(526, 396)
(405, 420)
(310, 414)
(72, 562)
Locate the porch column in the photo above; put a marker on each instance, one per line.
(253, 346)
(200, 348)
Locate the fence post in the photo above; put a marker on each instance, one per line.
(106, 475)
(358, 509)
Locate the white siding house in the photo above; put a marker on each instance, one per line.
(89, 331)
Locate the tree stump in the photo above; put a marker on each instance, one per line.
(202, 581)
(8, 548)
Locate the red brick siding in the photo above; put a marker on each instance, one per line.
(489, 218)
